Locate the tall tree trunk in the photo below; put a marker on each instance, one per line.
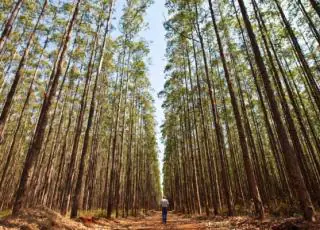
(214, 114)
(37, 141)
(310, 22)
(18, 74)
(291, 160)
(63, 147)
(114, 139)
(272, 138)
(13, 142)
(306, 68)
(291, 126)
(204, 129)
(194, 168)
(246, 159)
(8, 26)
(78, 128)
(196, 132)
(76, 195)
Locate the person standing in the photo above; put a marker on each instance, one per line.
(164, 205)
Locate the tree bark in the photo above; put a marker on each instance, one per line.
(76, 194)
(7, 105)
(289, 153)
(37, 141)
(8, 26)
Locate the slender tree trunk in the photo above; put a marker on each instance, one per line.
(76, 194)
(310, 22)
(297, 180)
(291, 126)
(8, 26)
(196, 132)
(13, 142)
(306, 68)
(205, 134)
(246, 159)
(194, 168)
(63, 146)
(37, 141)
(78, 128)
(19, 72)
(114, 141)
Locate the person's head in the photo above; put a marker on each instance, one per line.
(164, 197)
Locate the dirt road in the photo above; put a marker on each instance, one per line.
(180, 221)
(44, 218)
(154, 222)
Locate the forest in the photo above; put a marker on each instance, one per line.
(77, 127)
(242, 106)
(241, 103)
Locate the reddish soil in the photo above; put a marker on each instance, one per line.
(44, 218)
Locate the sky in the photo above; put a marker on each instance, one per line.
(155, 35)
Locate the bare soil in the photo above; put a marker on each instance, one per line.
(44, 218)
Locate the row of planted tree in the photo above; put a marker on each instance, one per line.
(242, 105)
(76, 124)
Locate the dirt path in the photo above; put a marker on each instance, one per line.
(44, 218)
(176, 221)
(154, 222)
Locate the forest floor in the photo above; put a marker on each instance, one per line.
(43, 218)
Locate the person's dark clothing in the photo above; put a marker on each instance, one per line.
(164, 215)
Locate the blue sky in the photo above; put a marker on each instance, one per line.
(155, 35)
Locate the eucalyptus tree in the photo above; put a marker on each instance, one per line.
(37, 141)
(289, 153)
(250, 76)
(7, 28)
(91, 113)
(8, 102)
(88, 111)
(131, 24)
